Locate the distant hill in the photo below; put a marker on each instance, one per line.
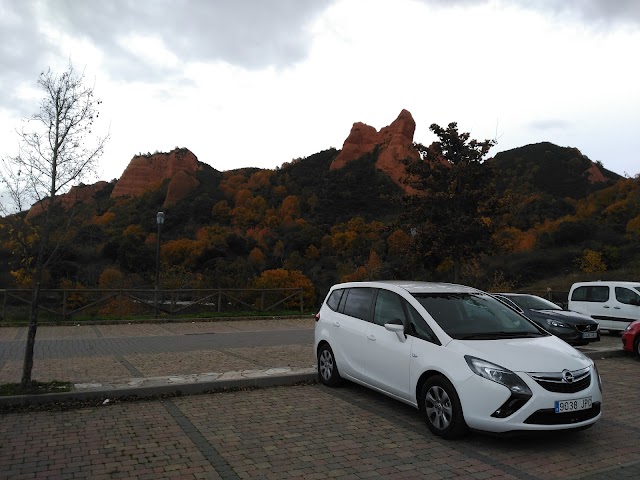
(548, 168)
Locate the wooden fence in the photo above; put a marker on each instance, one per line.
(117, 304)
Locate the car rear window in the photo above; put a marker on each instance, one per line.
(334, 299)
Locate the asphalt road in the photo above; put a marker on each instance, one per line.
(86, 347)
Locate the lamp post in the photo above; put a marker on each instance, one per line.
(160, 221)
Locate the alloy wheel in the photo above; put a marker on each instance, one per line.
(438, 407)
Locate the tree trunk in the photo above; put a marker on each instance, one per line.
(27, 366)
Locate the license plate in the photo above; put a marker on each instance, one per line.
(563, 406)
(590, 335)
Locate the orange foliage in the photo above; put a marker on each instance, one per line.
(511, 239)
(134, 231)
(368, 271)
(290, 208)
(260, 179)
(108, 217)
(312, 252)
(398, 242)
(256, 257)
(182, 251)
(633, 226)
(281, 278)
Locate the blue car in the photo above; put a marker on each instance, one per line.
(572, 327)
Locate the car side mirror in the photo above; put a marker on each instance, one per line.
(397, 329)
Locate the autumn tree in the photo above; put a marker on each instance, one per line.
(450, 215)
(57, 150)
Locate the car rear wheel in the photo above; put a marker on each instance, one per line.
(442, 408)
(327, 368)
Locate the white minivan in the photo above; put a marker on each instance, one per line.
(614, 305)
(464, 358)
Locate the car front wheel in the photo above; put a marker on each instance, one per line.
(442, 408)
(327, 368)
(636, 346)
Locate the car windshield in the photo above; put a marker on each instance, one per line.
(471, 316)
(532, 302)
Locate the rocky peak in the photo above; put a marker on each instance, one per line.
(395, 143)
(147, 172)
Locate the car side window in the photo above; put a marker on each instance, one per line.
(629, 297)
(358, 303)
(598, 294)
(418, 326)
(334, 299)
(388, 308)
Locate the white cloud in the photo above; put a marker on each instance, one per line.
(255, 83)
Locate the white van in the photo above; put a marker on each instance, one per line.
(614, 305)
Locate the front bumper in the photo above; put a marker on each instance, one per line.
(537, 414)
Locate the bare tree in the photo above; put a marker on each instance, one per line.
(52, 157)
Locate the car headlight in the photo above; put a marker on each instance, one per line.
(498, 374)
(556, 323)
(628, 327)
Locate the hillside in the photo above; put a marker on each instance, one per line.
(332, 217)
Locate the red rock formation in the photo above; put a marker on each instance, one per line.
(180, 186)
(78, 194)
(595, 175)
(147, 172)
(395, 144)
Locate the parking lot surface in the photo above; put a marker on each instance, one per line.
(307, 431)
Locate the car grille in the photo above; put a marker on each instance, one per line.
(548, 416)
(587, 327)
(557, 382)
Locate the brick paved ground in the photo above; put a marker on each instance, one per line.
(309, 432)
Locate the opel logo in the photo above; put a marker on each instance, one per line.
(567, 376)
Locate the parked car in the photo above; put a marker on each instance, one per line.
(572, 327)
(631, 338)
(465, 359)
(614, 305)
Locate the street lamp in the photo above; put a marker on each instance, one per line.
(160, 221)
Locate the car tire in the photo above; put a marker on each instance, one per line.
(636, 346)
(442, 409)
(327, 367)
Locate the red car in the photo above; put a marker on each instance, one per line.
(631, 338)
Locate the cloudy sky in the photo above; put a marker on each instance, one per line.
(256, 83)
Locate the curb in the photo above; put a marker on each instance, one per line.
(171, 390)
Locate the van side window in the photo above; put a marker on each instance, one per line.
(358, 303)
(624, 295)
(334, 299)
(388, 308)
(591, 294)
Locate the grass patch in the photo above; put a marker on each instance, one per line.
(8, 389)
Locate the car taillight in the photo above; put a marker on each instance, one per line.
(317, 316)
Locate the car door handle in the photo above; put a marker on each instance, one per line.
(414, 355)
(336, 324)
(371, 337)
(616, 308)
(606, 306)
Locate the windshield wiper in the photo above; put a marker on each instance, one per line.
(490, 335)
